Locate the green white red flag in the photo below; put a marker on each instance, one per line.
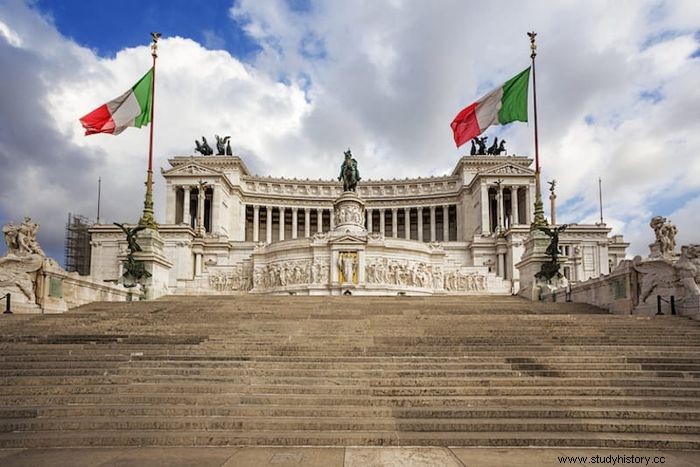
(133, 108)
(505, 104)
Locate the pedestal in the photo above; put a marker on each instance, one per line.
(155, 262)
(531, 263)
(349, 214)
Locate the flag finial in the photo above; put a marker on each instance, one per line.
(154, 45)
(533, 46)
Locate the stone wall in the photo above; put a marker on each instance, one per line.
(629, 289)
(59, 291)
(615, 292)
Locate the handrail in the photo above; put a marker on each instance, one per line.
(8, 303)
(671, 301)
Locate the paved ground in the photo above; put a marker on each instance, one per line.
(342, 457)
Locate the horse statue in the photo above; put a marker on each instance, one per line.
(204, 148)
(349, 173)
(481, 143)
(501, 148)
(493, 148)
(221, 144)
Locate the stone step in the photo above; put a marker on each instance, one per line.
(365, 382)
(337, 390)
(353, 438)
(346, 400)
(282, 372)
(165, 410)
(300, 423)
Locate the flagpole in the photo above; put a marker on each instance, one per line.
(99, 194)
(147, 218)
(539, 220)
(600, 199)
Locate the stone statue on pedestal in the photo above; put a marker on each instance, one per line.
(665, 233)
(24, 257)
(134, 270)
(550, 269)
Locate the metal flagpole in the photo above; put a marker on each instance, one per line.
(147, 218)
(600, 199)
(99, 192)
(539, 220)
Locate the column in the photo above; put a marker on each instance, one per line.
(432, 224)
(485, 210)
(200, 209)
(499, 208)
(215, 208)
(445, 223)
(319, 221)
(459, 221)
(171, 204)
(281, 224)
(381, 221)
(394, 222)
(368, 213)
(268, 224)
(332, 218)
(295, 224)
(514, 204)
(256, 224)
(186, 216)
(407, 223)
(307, 222)
(420, 224)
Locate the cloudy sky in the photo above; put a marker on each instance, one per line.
(296, 82)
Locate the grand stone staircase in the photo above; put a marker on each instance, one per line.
(450, 371)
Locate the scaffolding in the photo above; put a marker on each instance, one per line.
(77, 246)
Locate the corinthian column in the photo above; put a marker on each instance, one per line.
(281, 224)
(256, 223)
(445, 223)
(268, 224)
(407, 223)
(420, 224)
(186, 216)
(295, 224)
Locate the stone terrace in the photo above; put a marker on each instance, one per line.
(344, 371)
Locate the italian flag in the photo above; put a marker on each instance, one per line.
(133, 108)
(505, 104)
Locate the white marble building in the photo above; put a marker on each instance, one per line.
(228, 231)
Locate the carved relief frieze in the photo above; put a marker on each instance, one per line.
(459, 281)
(384, 271)
(287, 273)
(239, 279)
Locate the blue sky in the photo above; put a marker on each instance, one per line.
(297, 82)
(110, 27)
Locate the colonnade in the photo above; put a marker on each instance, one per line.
(423, 223)
(502, 207)
(195, 206)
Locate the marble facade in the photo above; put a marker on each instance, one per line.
(227, 231)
